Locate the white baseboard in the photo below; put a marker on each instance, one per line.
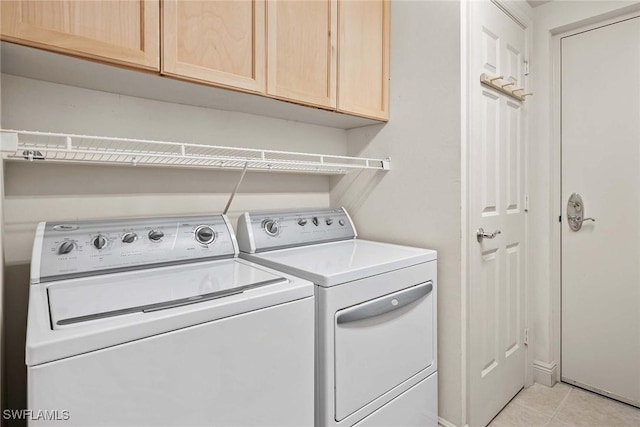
(545, 373)
(444, 423)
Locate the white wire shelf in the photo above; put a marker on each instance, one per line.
(62, 147)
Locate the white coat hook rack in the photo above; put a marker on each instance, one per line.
(507, 88)
(69, 148)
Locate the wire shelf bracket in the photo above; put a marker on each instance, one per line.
(62, 147)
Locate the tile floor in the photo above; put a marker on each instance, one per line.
(562, 406)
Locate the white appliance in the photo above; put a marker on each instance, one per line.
(152, 322)
(375, 315)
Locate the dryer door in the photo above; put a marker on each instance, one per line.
(381, 343)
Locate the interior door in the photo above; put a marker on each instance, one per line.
(600, 161)
(497, 264)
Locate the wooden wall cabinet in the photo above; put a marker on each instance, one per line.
(363, 58)
(124, 32)
(332, 54)
(301, 51)
(220, 42)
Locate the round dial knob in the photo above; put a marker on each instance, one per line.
(315, 220)
(329, 221)
(99, 242)
(272, 227)
(341, 222)
(302, 222)
(129, 237)
(65, 247)
(205, 234)
(155, 235)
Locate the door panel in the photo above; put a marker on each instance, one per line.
(218, 42)
(123, 32)
(301, 56)
(496, 197)
(600, 159)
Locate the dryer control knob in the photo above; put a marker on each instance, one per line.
(302, 222)
(155, 235)
(329, 221)
(66, 247)
(99, 242)
(341, 222)
(272, 227)
(205, 234)
(315, 221)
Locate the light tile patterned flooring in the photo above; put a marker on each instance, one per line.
(562, 406)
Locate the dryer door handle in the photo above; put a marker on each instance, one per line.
(384, 304)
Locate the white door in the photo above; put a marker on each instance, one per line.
(497, 266)
(601, 162)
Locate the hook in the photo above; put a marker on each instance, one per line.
(508, 84)
(524, 95)
(520, 89)
(496, 78)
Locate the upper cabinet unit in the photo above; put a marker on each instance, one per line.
(123, 32)
(220, 42)
(328, 54)
(363, 58)
(301, 51)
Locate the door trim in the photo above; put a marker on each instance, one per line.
(557, 35)
(521, 16)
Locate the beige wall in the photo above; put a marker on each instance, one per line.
(45, 192)
(418, 202)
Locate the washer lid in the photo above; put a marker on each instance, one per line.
(79, 300)
(330, 264)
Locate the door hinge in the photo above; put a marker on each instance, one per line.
(560, 218)
(526, 68)
(526, 203)
(526, 336)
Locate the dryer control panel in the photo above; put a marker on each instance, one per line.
(84, 248)
(269, 230)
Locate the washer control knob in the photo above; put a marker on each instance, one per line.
(155, 235)
(129, 237)
(271, 226)
(302, 222)
(341, 222)
(66, 247)
(329, 221)
(315, 221)
(205, 234)
(99, 242)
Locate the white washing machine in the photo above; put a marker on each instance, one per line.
(156, 322)
(376, 357)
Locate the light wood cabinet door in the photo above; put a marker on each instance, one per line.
(124, 32)
(219, 42)
(301, 51)
(363, 58)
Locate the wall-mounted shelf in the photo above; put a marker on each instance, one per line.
(509, 88)
(61, 147)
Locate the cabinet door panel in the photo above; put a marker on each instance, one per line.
(363, 57)
(219, 42)
(302, 51)
(124, 32)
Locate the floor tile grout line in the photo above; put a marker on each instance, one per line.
(562, 403)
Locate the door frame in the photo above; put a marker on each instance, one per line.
(522, 17)
(556, 169)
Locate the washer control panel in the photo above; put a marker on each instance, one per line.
(261, 231)
(76, 249)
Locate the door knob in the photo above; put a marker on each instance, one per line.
(481, 234)
(575, 212)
